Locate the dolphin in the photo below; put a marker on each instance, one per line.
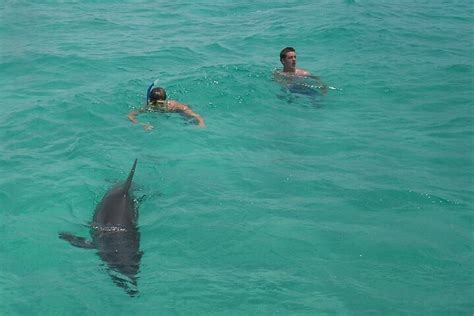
(115, 235)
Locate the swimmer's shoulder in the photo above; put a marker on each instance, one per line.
(302, 72)
(298, 73)
(176, 106)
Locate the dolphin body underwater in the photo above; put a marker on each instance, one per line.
(115, 235)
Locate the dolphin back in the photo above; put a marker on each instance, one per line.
(128, 183)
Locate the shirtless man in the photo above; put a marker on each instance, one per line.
(158, 103)
(288, 60)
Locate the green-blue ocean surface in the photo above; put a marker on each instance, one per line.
(359, 201)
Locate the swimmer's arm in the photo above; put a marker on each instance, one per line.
(132, 116)
(186, 111)
(189, 113)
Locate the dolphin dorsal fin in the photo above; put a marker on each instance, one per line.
(128, 183)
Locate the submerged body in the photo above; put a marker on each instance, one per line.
(297, 80)
(115, 235)
(294, 87)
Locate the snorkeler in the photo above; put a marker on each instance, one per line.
(158, 103)
(288, 60)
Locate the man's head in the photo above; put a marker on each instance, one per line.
(288, 59)
(157, 94)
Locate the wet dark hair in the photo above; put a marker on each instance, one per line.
(157, 94)
(286, 50)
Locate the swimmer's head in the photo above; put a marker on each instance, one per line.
(157, 94)
(284, 51)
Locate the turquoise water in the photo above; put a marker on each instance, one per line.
(360, 202)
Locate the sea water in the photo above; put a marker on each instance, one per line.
(357, 202)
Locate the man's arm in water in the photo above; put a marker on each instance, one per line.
(132, 116)
(186, 111)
